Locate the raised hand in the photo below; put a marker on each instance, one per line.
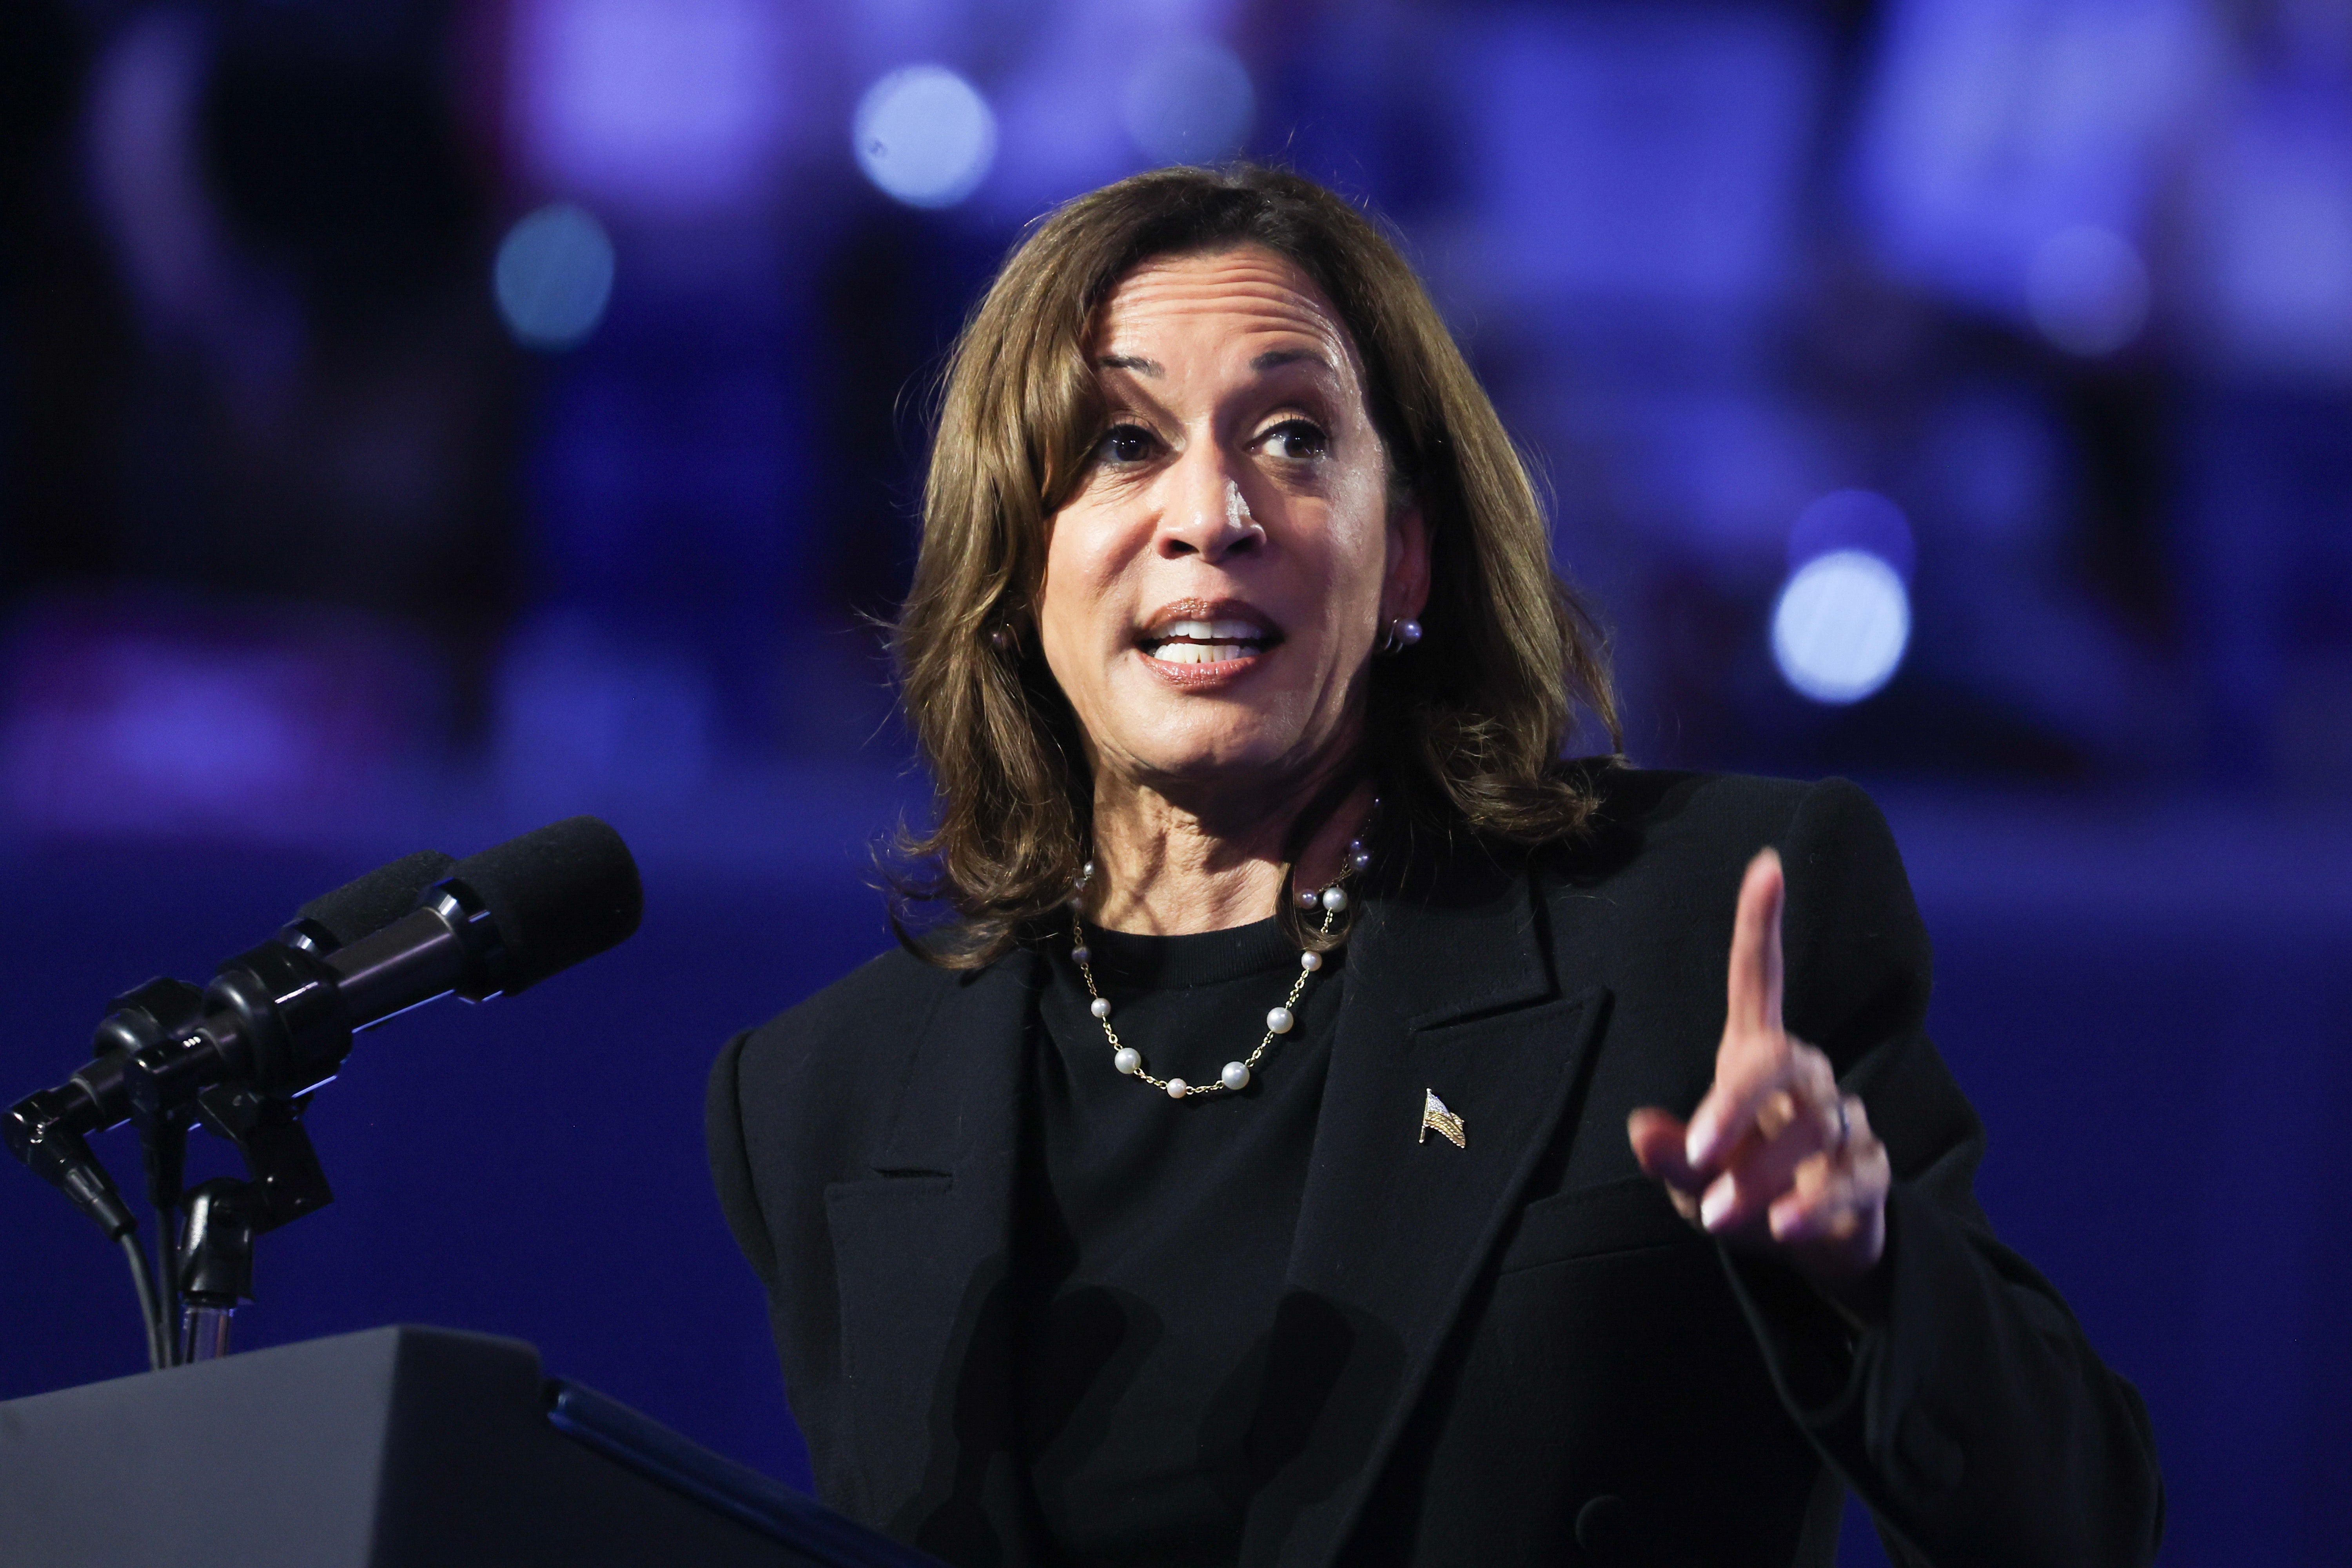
(1775, 1159)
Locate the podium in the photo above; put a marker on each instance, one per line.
(398, 1447)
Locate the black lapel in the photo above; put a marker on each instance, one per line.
(1452, 992)
(922, 1247)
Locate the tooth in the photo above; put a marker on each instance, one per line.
(1199, 630)
(1233, 631)
(1206, 651)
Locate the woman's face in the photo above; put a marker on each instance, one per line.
(1214, 590)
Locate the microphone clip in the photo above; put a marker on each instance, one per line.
(283, 1182)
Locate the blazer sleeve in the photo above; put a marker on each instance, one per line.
(1971, 1414)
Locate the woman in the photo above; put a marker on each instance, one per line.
(1278, 1156)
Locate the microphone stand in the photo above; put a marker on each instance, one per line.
(283, 1182)
(204, 1271)
(148, 1044)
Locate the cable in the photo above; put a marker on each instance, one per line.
(142, 1278)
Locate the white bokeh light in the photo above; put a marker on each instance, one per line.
(1190, 104)
(553, 277)
(1841, 626)
(925, 136)
(2088, 290)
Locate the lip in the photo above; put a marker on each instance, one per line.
(1224, 673)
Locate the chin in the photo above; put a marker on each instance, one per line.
(1229, 733)
(1215, 753)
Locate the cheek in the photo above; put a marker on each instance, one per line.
(1077, 598)
(1358, 544)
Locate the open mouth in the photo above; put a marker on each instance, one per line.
(1186, 633)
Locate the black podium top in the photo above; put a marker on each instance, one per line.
(398, 1447)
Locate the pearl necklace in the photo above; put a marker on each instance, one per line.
(1279, 1021)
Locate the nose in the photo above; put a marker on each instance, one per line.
(1205, 513)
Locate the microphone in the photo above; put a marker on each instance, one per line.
(47, 1130)
(279, 1018)
(500, 922)
(164, 1007)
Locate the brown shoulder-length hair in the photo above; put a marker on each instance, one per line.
(1466, 728)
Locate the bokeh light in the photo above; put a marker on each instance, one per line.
(1840, 628)
(555, 276)
(1190, 103)
(672, 111)
(925, 136)
(2088, 290)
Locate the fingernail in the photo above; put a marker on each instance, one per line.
(1715, 1205)
(1698, 1144)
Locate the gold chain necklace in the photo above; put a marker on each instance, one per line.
(1279, 1021)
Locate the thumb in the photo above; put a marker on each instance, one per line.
(1658, 1140)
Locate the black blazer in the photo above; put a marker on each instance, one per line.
(1512, 1352)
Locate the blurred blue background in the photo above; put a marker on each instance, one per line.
(419, 421)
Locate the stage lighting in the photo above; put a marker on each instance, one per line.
(1840, 628)
(2088, 290)
(925, 136)
(1190, 104)
(555, 276)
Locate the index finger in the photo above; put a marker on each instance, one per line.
(1753, 1004)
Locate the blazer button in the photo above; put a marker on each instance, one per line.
(1604, 1528)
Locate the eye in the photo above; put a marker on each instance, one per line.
(1296, 441)
(1125, 444)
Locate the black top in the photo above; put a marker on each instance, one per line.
(1153, 1236)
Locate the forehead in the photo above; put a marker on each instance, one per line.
(1248, 300)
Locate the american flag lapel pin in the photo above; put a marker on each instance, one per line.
(1436, 1117)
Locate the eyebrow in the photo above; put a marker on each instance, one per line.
(1272, 359)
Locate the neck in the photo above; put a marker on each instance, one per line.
(1166, 867)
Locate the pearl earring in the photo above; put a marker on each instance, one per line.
(1403, 632)
(1000, 639)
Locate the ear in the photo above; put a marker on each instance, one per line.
(1405, 593)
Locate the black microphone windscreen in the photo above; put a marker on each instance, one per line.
(368, 905)
(557, 896)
